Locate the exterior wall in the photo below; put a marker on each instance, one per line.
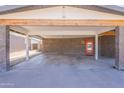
(4, 48)
(107, 46)
(64, 46)
(119, 63)
(17, 43)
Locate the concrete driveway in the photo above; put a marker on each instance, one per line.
(63, 71)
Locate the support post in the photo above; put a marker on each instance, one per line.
(96, 46)
(119, 46)
(39, 45)
(27, 47)
(4, 48)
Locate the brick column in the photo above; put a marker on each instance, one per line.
(119, 61)
(4, 48)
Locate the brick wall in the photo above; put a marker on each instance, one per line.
(4, 48)
(63, 46)
(119, 62)
(34, 46)
(107, 46)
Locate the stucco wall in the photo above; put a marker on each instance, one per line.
(17, 43)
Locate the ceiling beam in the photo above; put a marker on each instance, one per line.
(109, 33)
(58, 22)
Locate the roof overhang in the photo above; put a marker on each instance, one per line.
(112, 9)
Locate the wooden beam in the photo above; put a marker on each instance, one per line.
(58, 22)
(109, 33)
(17, 32)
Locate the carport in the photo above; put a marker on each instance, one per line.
(53, 23)
(76, 28)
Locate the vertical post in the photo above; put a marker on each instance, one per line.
(96, 46)
(119, 46)
(39, 45)
(4, 48)
(31, 45)
(27, 47)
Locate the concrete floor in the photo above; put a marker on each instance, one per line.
(20, 56)
(63, 71)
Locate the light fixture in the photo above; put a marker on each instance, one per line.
(63, 12)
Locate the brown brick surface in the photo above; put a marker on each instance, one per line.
(4, 48)
(119, 48)
(107, 46)
(64, 46)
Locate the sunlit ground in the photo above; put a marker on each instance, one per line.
(17, 57)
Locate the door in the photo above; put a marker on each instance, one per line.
(89, 47)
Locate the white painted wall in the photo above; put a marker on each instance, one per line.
(17, 42)
(58, 13)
